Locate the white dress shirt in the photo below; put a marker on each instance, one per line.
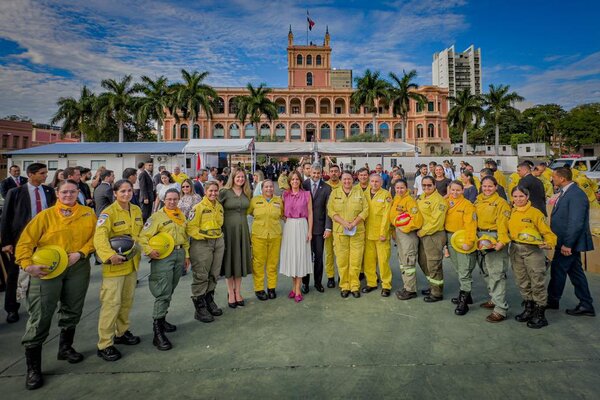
(31, 190)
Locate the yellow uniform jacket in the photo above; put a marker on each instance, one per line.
(349, 206)
(283, 183)
(267, 216)
(180, 178)
(408, 204)
(160, 222)
(528, 217)
(493, 213)
(513, 182)
(378, 223)
(334, 185)
(500, 178)
(433, 208)
(205, 220)
(461, 215)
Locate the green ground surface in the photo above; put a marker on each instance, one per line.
(323, 347)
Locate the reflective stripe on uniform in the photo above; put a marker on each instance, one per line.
(408, 270)
(435, 281)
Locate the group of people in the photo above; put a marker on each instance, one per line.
(202, 225)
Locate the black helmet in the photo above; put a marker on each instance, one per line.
(124, 246)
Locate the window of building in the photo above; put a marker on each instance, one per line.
(384, 129)
(309, 79)
(15, 142)
(219, 106)
(25, 142)
(250, 131)
(309, 60)
(419, 107)
(5, 141)
(219, 131)
(296, 110)
(419, 131)
(398, 131)
(96, 164)
(280, 131)
(340, 131)
(430, 106)
(295, 131)
(354, 129)
(174, 132)
(430, 131)
(439, 106)
(299, 59)
(196, 134)
(27, 163)
(52, 165)
(318, 60)
(183, 131)
(338, 110)
(369, 128)
(233, 109)
(234, 131)
(265, 130)
(325, 132)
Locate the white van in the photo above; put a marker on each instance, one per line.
(585, 164)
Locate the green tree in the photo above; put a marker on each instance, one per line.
(76, 114)
(545, 121)
(369, 89)
(581, 125)
(401, 92)
(157, 98)
(254, 105)
(116, 103)
(498, 100)
(465, 113)
(193, 96)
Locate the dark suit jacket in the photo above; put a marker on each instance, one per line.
(9, 183)
(321, 220)
(199, 188)
(103, 197)
(87, 193)
(17, 213)
(571, 220)
(146, 188)
(537, 193)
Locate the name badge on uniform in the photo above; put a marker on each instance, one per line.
(380, 200)
(119, 223)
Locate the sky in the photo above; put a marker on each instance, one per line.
(548, 51)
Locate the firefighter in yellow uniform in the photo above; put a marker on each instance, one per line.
(179, 176)
(377, 245)
(348, 209)
(334, 182)
(267, 211)
(587, 185)
(433, 207)
(548, 188)
(407, 240)
(513, 181)
(530, 235)
(282, 181)
(165, 269)
(461, 216)
(119, 274)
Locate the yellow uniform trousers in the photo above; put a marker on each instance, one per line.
(116, 298)
(349, 251)
(408, 249)
(431, 254)
(378, 252)
(265, 251)
(329, 263)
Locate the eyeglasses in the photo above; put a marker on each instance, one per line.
(68, 191)
(427, 185)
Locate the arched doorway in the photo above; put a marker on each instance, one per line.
(310, 132)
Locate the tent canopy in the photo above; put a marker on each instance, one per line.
(219, 146)
(285, 147)
(353, 148)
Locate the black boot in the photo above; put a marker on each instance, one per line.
(454, 300)
(169, 327)
(538, 320)
(462, 308)
(527, 311)
(202, 314)
(161, 341)
(65, 347)
(34, 378)
(211, 305)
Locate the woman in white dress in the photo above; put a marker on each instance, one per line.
(296, 259)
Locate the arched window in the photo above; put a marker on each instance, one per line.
(354, 129)
(196, 134)
(398, 131)
(430, 131)
(310, 106)
(265, 130)
(384, 129)
(340, 131)
(369, 128)
(233, 105)
(280, 131)
(234, 131)
(174, 132)
(419, 131)
(249, 131)
(295, 131)
(183, 131)
(219, 105)
(280, 103)
(318, 60)
(299, 59)
(218, 131)
(309, 80)
(309, 60)
(325, 132)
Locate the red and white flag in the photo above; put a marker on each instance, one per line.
(311, 23)
(198, 162)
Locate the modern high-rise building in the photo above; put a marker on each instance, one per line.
(457, 71)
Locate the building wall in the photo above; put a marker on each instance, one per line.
(14, 135)
(341, 78)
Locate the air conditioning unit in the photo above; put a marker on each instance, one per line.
(161, 159)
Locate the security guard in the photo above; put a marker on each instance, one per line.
(70, 226)
(334, 182)
(530, 235)
(461, 216)
(267, 211)
(348, 209)
(119, 274)
(165, 269)
(493, 213)
(433, 207)
(204, 227)
(407, 240)
(377, 245)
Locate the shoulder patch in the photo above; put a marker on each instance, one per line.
(101, 219)
(191, 215)
(507, 214)
(474, 216)
(414, 210)
(442, 207)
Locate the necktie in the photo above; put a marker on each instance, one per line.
(18, 181)
(38, 201)
(314, 189)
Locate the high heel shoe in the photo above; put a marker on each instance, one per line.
(291, 295)
(298, 298)
(241, 303)
(231, 305)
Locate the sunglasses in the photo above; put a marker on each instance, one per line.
(186, 186)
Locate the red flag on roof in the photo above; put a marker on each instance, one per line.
(198, 162)
(311, 23)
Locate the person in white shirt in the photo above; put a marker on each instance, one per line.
(418, 188)
(448, 170)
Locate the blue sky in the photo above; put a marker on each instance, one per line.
(548, 51)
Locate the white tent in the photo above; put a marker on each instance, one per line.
(364, 148)
(202, 147)
(285, 147)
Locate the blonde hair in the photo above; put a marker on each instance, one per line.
(245, 188)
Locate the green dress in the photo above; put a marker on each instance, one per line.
(237, 261)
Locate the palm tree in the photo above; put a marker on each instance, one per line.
(116, 103)
(466, 111)
(498, 100)
(370, 88)
(75, 114)
(401, 93)
(256, 104)
(193, 96)
(157, 99)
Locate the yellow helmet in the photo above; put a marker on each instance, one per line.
(486, 242)
(457, 241)
(54, 257)
(163, 243)
(530, 236)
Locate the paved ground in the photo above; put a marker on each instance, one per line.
(324, 347)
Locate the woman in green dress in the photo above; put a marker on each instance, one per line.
(237, 260)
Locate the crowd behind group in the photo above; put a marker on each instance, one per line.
(305, 221)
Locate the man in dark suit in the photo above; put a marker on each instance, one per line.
(201, 178)
(103, 194)
(147, 194)
(14, 180)
(570, 221)
(322, 225)
(537, 193)
(21, 205)
(131, 174)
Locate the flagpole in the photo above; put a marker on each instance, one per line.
(307, 25)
